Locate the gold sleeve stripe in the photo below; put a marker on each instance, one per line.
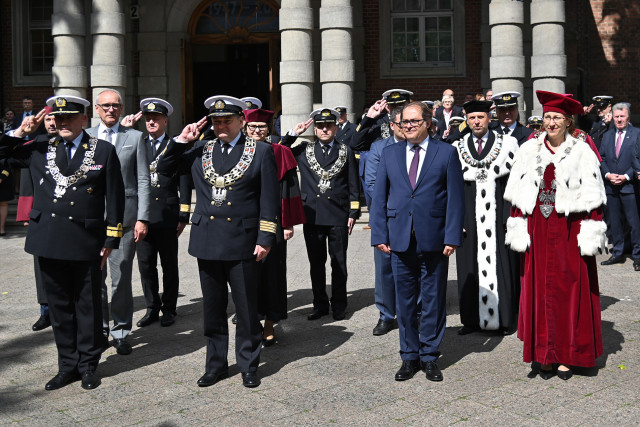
(355, 205)
(113, 233)
(268, 226)
(116, 228)
(185, 208)
(5, 173)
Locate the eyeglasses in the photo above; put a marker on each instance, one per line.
(555, 119)
(107, 107)
(412, 123)
(399, 124)
(253, 128)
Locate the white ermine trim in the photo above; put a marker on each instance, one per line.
(591, 237)
(517, 236)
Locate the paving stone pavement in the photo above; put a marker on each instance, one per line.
(318, 373)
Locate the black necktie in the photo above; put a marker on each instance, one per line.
(153, 147)
(225, 150)
(325, 150)
(69, 145)
(506, 130)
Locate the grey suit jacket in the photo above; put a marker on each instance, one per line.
(135, 173)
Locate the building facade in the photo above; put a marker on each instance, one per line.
(296, 55)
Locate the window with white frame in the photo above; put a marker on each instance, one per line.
(32, 42)
(422, 37)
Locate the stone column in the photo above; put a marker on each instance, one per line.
(548, 59)
(69, 63)
(337, 67)
(507, 65)
(296, 67)
(108, 29)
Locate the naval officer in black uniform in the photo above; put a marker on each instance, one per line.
(233, 229)
(507, 112)
(330, 196)
(168, 216)
(346, 129)
(75, 222)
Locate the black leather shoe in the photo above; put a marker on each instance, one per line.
(407, 370)
(545, 375)
(250, 379)
(316, 314)
(90, 380)
(234, 319)
(168, 319)
(210, 378)
(61, 379)
(384, 327)
(149, 318)
(122, 346)
(42, 323)
(466, 330)
(338, 315)
(636, 267)
(564, 375)
(614, 260)
(432, 371)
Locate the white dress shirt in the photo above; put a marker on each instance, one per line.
(423, 145)
(103, 135)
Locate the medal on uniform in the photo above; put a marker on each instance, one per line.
(325, 182)
(219, 192)
(482, 175)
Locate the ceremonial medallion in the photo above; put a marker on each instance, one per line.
(326, 176)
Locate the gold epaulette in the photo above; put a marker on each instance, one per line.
(5, 173)
(185, 208)
(268, 226)
(462, 126)
(115, 231)
(355, 205)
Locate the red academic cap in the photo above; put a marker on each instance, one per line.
(258, 115)
(559, 102)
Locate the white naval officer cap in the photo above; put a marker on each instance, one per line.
(505, 99)
(67, 104)
(156, 105)
(224, 105)
(251, 102)
(325, 115)
(397, 96)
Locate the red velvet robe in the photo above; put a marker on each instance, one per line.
(559, 320)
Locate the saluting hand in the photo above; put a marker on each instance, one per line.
(30, 124)
(131, 119)
(302, 127)
(376, 109)
(189, 133)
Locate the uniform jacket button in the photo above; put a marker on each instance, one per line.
(70, 218)
(55, 200)
(73, 203)
(229, 219)
(53, 215)
(211, 217)
(228, 203)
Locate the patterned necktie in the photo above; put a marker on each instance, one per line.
(413, 169)
(506, 130)
(479, 145)
(325, 150)
(618, 143)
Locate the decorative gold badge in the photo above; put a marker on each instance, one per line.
(506, 98)
(395, 95)
(249, 104)
(89, 190)
(598, 99)
(61, 102)
(151, 106)
(85, 146)
(219, 105)
(326, 113)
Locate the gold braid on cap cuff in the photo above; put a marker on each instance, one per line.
(355, 205)
(268, 226)
(115, 231)
(185, 208)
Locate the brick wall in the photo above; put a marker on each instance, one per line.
(12, 96)
(422, 88)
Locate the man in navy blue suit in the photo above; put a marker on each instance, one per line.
(422, 179)
(619, 146)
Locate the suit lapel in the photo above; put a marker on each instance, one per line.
(402, 162)
(121, 137)
(432, 149)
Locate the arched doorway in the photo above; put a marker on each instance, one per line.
(234, 49)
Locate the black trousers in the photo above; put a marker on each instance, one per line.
(75, 308)
(243, 277)
(41, 294)
(316, 237)
(161, 241)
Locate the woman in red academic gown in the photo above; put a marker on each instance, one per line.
(557, 194)
(272, 300)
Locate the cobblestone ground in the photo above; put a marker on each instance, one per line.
(318, 373)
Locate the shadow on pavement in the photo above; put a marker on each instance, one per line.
(455, 347)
